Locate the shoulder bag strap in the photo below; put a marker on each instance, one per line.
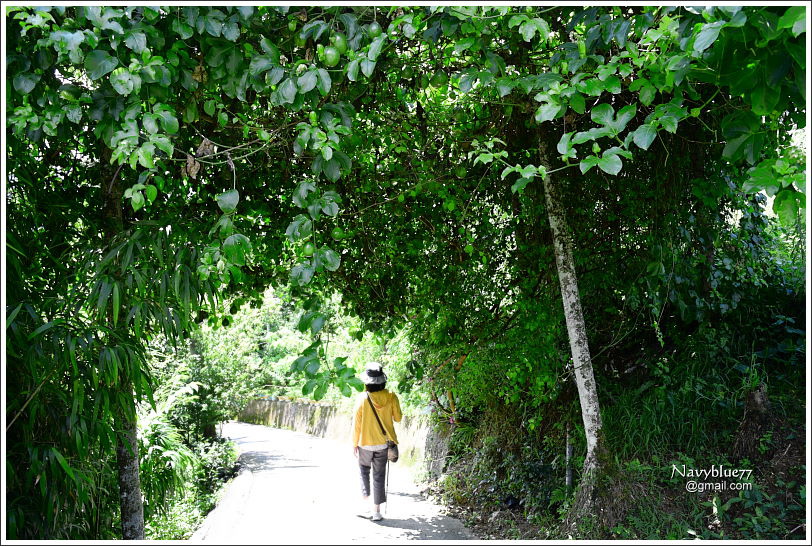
(375, 413)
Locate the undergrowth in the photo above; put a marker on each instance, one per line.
(507, 481)
(185, 510)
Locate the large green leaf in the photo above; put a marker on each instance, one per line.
(227, 201)
(324, 82)
(645, 135)
(745, 139)
(794, 18)
(300, 228)
(307, 81)
(123, 82)
(236, 247)
(231, 31)
(146, 153)
(647, 94)
(367, 67)
(520, 185)
(547, 111)
(762, 178)
(602, 114)
(612, 84)
(24, 82)
(302, 273)
(63, 463)
(137, 200)
(136, 40)
(530, 27)
(260, 64)
(352, 70)
(152, 192)
(707, 36)
(149, 121)
(565, 146)
(577, 103)
(98, 63)
(183, 29)
(329, 203)
(214, 22)
(591, 134)
(329, 258)
(588, 162)
(304, 321)
(270, 49)
(190, 113)
(787, 205)
(70, 42)
(216, 55)
(764, 99)
(332, 169)
(317, 323)
(320, 391)
(309, 386)
(163, 143)
(624, 116)
(592, 87)
(168, 120)
(274, 76)
(117, 300)
(287, 90)
(610, 164)
(375, 48)
(300, 194)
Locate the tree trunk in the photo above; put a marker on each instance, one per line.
(576, 329)
(129, 481)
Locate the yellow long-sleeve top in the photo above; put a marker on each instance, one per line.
(366, 431)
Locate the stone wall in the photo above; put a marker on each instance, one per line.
(421, 447)
(313, 418)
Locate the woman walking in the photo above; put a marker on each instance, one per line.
(369, 441)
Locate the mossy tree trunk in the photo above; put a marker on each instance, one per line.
(579, 346)
(129, 480)
(127, 457)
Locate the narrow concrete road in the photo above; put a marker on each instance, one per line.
(297, 488)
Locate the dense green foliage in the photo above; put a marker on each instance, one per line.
(164, 160)
(183, 460)
(253, 356)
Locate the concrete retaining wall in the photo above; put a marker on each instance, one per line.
(421, 447)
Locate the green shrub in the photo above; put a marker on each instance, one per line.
(214, 465)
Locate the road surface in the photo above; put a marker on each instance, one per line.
(298, 488)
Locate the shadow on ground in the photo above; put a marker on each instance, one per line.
(293, 488)
(423, 528)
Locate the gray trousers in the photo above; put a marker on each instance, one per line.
(375, 461)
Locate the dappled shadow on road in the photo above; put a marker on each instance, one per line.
(262, 461)
(422, 528)
(242, 442)
(291, 483)
(416, 496)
